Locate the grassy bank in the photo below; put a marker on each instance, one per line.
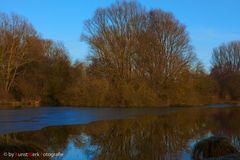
(18, 104)
(33, 104)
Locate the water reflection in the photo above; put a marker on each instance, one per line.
(80, 147)
(170, 136)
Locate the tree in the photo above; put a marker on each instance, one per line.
(129, 43)
(31, 83)
(111, 34)
(167, 53)
(31, 68)
(226, 59)
(226, 68)
(233, 86)
(57, 77)
(15, 34)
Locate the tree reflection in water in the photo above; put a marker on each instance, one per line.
(170, 136)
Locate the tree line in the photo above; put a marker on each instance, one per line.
(137, 57)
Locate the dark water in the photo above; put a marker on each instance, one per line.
(37, 118)
(155, 136)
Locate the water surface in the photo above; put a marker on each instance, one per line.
(26, 119)
(166, 136)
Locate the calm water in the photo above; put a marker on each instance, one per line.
(36, 118)
(148, 134)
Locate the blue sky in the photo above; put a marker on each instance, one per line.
(209, 22)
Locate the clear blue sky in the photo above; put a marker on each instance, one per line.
(209, 22)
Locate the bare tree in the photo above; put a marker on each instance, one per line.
(167, 51)
(226, 69)
(15, 33)
(129, 43)
(226, 59)
(111, 34)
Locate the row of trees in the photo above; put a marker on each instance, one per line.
(137, 58)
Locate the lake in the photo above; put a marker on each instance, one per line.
(25, 119)
(92, 133)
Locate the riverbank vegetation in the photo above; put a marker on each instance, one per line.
(137, 58)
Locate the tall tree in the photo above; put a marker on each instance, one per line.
(226, 68)
(58, 74)
(167, 51)
(15, 34)
(111, 36)
(129, 43)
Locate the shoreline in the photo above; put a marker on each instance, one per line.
(23, 105)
